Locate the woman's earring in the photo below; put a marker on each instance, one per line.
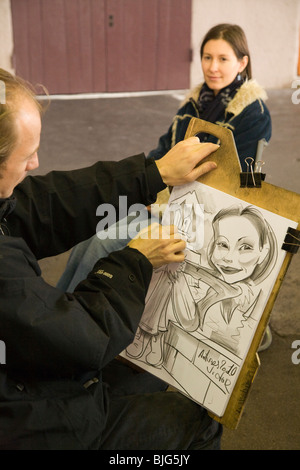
(239, 77)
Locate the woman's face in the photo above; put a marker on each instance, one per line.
(236, 248)
(220, 65)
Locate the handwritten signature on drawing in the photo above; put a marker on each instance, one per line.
(221, 371)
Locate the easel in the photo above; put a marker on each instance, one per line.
(227, 178)
(249, 187)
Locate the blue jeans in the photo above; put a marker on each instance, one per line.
(143, 416)
(84, 255)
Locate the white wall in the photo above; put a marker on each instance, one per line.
(6, 36)
(272, 30)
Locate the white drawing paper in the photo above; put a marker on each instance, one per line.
(201, 315)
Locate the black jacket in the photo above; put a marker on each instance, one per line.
(56, 342)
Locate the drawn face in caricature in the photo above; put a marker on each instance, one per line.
(237, 250)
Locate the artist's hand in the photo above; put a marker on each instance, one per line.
(160, 244)
(179, 165)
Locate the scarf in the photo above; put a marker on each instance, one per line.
(212, 107)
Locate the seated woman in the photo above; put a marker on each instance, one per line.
(228, 97)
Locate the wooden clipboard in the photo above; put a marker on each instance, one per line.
(280, 201)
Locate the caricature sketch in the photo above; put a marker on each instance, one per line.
(200, 316)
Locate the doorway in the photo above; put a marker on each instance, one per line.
(85, 46)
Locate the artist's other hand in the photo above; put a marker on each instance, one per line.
(181, 164)
(160, 244)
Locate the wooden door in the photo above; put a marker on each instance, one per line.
(148, 44)
(74, 46)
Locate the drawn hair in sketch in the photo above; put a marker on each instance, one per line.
(266, 239)
(240, 256)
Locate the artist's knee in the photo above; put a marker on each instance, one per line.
(199, 430)
(209, 435)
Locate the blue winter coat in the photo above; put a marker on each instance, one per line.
(246, 115)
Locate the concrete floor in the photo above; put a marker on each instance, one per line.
(77, 133)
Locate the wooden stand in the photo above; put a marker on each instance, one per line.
(285, 203)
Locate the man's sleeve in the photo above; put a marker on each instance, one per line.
(48, 332)
(57, 211)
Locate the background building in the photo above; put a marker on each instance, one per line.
(75, 46)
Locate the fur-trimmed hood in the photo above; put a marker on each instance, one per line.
(249, 92)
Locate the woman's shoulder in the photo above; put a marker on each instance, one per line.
(193, 94)
(250, 93)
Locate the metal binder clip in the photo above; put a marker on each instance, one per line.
(291, 240)
(258, 166)
(256, 175)
(250, 165)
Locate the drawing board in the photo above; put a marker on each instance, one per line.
(204, 318)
